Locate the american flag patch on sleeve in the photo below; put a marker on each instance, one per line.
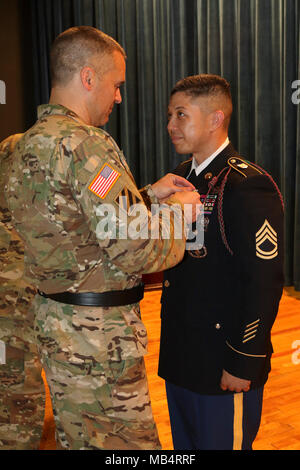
(104, 181)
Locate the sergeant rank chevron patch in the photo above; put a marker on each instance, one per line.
(266, 242)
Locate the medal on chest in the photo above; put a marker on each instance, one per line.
(209, 201)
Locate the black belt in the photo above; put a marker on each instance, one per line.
(114, 298)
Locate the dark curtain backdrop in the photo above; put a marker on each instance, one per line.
(254, 44)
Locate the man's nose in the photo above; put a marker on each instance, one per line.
(171, 125)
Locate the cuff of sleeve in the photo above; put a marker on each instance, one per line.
(148, 195)
(243, 365)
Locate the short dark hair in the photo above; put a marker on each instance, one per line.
(208, 86)
(203, 85)
(73, 48)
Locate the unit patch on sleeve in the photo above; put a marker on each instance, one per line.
(266, 242)
(104, 181)
(127, 199)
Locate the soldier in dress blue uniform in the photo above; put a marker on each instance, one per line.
(220, 302)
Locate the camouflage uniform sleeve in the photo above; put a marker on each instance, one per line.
(16, 295)
(148, 196)
(255, 228)
(135, 239)
(11, 249)
(7, 146)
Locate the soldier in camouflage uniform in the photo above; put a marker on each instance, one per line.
(22, 396)
(65, 173)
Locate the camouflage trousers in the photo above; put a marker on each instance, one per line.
(94, 366)
(22, 401)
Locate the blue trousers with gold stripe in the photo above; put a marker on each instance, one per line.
(213, 422)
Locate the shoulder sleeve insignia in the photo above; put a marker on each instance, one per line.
(126, 199)
(104, 181)
(244, 167)
(266, 242)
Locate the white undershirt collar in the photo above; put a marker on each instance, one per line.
(199, 168)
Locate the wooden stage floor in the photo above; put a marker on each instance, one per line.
(280, 425)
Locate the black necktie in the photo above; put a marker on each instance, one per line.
(193, 178)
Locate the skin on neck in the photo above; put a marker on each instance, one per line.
(72, 97)
(210, 148)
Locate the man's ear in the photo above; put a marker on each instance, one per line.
(87, 76)
(217, 119)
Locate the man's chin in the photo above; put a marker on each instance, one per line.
(179, 149)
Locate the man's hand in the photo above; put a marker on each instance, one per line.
(234, 384)
(170, 184)
(191, 204)
(182, 190)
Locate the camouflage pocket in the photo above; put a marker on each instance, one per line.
(125, 419)
(108, 434)
(68, 333)
(125, 334)
(102, 406)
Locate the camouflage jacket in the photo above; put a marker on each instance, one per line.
(16, 295)
(63, 177)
